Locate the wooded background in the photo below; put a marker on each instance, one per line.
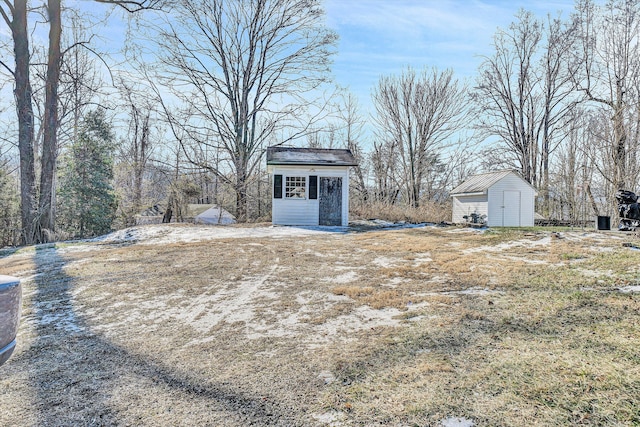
(184, 110)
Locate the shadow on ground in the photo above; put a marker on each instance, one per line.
(72, 370)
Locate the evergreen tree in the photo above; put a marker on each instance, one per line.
(9, 208)
(87, 201)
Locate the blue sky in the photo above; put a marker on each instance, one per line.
(382, 37)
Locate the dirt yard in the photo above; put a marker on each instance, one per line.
(261, 325)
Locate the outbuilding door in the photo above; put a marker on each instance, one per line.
(330, 201)
(511, 210)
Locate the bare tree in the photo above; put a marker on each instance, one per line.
(573, 171)
(241, 70)
(15, 16)
(344, 128)
(136, 148)
(80, 78)
(558, 99)
(610, 62)
(353, 124)
(37, 208)
(506, 91)
(46, 217)
(384, 165)
(419, 114)
(526, 95)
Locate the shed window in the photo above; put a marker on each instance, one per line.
(313, 187)
(277, 186)
(295, 187)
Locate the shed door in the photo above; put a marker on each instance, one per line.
(511, 210)
(330, 201)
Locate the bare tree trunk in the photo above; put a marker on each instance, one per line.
(168, 213)
(592, 200)
(241, 195)
(50, 141)
(24, 107)
(140, 161)
(620, 144)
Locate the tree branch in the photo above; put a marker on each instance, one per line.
(4, 14)
(7, 68)
(133, 6)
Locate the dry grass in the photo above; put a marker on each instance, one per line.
(428, 212)
(375, 297)
(396, 327)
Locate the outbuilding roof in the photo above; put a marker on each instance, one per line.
(480, 183)
(310, 156)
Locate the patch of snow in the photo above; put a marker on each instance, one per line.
(165, 234)
(422, 258)
(476, 291)
(362, 317)
(578, 236)
(629, 289)
(385, 223)
(524, 243)
(456, 422)
(393, 282)
(233, 305)
(327, 377)
(348, 277)
(466, 230)
(469, 291)
(384, 262)
(60, 314)
(332, 419)
(595, 273)
(345, 267)
(601, 249)
(522, 259)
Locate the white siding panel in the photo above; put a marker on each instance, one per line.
(295, 212)
(345, 199)
(466, 205)
(306, 212)
(512, 208)
(496, 193)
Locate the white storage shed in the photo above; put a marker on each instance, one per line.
(310, 186)
(505, 199)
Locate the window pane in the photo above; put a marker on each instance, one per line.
(294, 187)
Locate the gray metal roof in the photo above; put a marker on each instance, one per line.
(310, 156)
(482, 182)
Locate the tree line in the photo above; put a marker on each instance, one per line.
(203, 87)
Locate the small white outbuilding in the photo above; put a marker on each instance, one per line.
(310, 186)
(215, 215)
(502, 199)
